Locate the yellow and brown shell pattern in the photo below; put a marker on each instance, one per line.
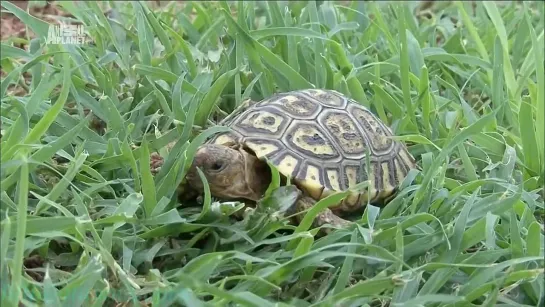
(320, 139)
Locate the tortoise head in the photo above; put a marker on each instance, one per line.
(232, 172)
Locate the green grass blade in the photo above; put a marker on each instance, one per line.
(63, 184)
(528, 138)
(458, 139)
(38, 26)
(364, 288)
(148, 185)
(287, 31)
(211, 97)
(159, 73)
(537, 47)
(51, 296)
(405, 65)
(346, 268)
(509, 75)
(22, 211)
(298, 82)
(7, 51)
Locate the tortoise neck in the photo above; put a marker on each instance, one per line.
(258, 175)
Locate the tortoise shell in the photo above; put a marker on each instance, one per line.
(320, 139)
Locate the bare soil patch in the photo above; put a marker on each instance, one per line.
(12, 27)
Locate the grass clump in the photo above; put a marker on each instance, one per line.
(85, 223)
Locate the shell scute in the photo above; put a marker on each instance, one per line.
(262, 122)
(378, 134)
(309, 139)
(328, 98)
(344, 131)
(297, 106)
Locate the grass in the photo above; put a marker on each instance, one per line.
(463, 86)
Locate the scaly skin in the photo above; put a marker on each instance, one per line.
(234, 173)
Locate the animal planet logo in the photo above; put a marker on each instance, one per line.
(66, 34)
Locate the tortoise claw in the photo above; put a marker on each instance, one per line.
(325, 217)
(156, 161)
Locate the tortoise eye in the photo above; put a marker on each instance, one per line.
(217, 166)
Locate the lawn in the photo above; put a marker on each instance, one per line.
(85, 222)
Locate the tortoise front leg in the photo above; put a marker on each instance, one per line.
(156, 161)
(324, 217)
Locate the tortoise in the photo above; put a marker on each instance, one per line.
(317, 138)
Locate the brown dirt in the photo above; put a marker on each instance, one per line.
(13, 30)
(34, 262)
(12, 27)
